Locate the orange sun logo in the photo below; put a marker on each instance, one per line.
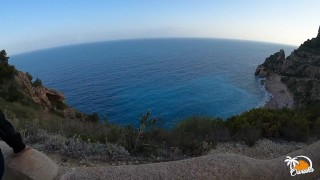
(302, 165)
(299, 165)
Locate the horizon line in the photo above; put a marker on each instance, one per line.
(147, 38)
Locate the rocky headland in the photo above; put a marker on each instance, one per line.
(293, 81)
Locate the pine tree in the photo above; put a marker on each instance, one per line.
(3, 57)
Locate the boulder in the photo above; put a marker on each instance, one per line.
(32, 164)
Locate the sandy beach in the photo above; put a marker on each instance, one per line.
(281, 96)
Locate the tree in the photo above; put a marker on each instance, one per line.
(6, 71)
(3, 57)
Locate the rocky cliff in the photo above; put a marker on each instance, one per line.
(48, 99)
(299, 72)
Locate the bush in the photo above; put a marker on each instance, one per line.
(295, 129)
(283, 124)
(10, 92)
(6, 72)
(37, 83)
(73, 147)
(29, 76)
(60, 105)
(250, 134)
(197, 135)
(94, 117)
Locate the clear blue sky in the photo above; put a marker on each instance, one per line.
(37, 24)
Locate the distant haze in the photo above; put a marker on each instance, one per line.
(37, 24)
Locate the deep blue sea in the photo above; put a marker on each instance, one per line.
(174, 78)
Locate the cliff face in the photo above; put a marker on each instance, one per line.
(300, 71)
(41, 95)
(47, 98)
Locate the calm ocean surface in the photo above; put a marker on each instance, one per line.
(174, 78)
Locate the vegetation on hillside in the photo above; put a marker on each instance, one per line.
(312, 45)
(8, 88)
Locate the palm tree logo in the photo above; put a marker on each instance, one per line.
(299, 165)
(292, 162)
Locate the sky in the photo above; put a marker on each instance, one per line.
(39, 24)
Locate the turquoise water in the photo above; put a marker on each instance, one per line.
(174, 78)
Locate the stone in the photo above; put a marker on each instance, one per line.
(31, 164)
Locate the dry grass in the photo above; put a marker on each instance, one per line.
(72, 147)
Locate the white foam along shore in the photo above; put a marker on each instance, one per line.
(267, 96)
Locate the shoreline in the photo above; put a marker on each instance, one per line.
(267, 94)
(280, 97)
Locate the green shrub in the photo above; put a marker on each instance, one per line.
(80, 115)
(285, 124)
(37, 83)
(94, 117)
(196, 135)
(60, 105)
(294, 129)
(250, 134)
(6, 71)
(14, 94)
(21, 111)
(10, 92)
(29, 76)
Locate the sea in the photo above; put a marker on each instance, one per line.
(174, 78)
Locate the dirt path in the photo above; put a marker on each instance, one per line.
(215, 166)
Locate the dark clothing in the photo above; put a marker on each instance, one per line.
(1, 165)
(11, 137)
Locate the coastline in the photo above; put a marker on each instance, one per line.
(281, 97)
